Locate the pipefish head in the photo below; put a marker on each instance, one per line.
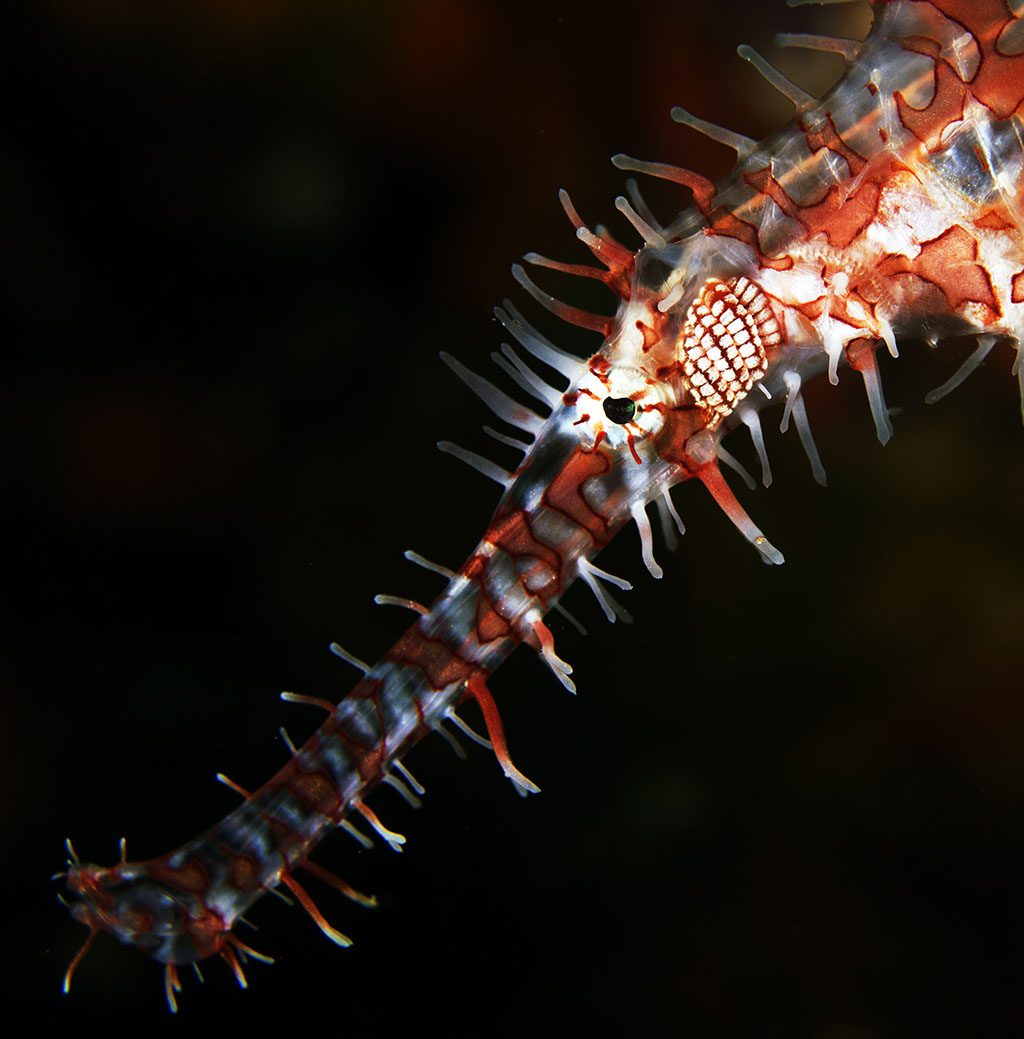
(659, 367)
(134, 902)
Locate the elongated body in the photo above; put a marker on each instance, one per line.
(886, 210)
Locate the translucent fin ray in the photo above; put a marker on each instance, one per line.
(527, 378)
(736, 466)
(867, 365)
(326, 877)
(702, 188)
(172, 986)
(590, 574)
(965, 371)
(482, 465)
(803, 431)
(558, 667)
(570, 314)
(642, 228)
(402, 790)
(531, 340)
(507, 409)
(643, 525)
(752, 420)
(315, 915)
(435, 568)
(846, 48)
(744, 147)
(713, 480)
(409, 777)
(502, 438)
(794, 408)
(578, 270)
(467, 730)
(604, 248)
(669, 519)
(641, 206)
(357, 835)
(492, 720)
(399, 600)
(343, 654)
(800, 99)
(394, 841)
(76, 960)
(561, 609)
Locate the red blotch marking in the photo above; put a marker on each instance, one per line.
(950, 263)
(475, 568)
(512, 534)
(841, 219)
(861, 353)
(242, 874)
(651, 336)
(681, 424)
(730, 226)
(763, 182)
(208, 933)
(133, 920)
(723, 222)
(994, 220)
(999, 81)
(565, 495)
(490, 625)
(836, 306)
(814, 308)
(367, 758)
(441, 664)
(317, 791)
(838, 216)
(947, 106)
(827, 136)
(671, 372)
(190, 878)
(922, 45)
(1017, 291)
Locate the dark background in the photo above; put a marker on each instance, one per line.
(235, 235)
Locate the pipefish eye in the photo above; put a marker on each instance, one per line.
(618, 405)
(620, 409)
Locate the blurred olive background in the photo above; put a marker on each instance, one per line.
(235, 234)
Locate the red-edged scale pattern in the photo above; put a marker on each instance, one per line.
(722, 346)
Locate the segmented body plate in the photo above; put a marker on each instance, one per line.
(724, 344)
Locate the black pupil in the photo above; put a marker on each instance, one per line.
(620, 409)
